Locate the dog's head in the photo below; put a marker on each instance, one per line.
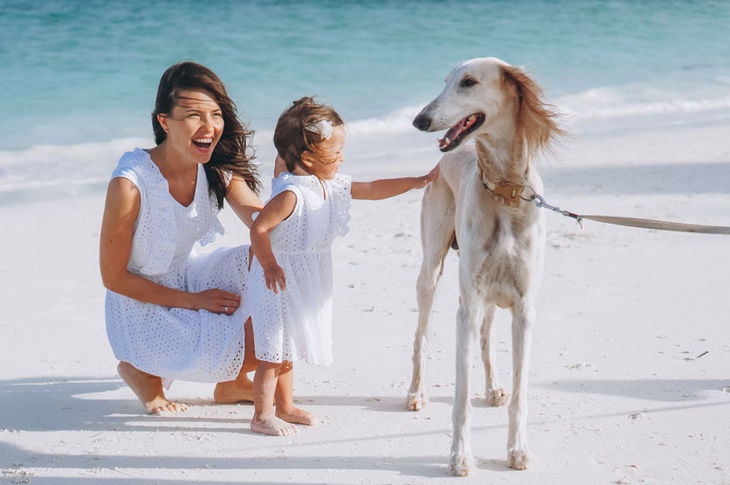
(487, 95)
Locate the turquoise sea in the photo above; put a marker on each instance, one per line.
(78, 77)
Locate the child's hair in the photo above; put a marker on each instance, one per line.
(294, 131)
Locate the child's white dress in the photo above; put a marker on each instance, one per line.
(296, 324)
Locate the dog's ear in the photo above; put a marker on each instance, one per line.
(536, 120)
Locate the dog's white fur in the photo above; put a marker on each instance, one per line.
(500, 247)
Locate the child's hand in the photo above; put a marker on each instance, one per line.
(428, 178)
(274, 275)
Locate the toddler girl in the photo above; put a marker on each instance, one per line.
(290, 285)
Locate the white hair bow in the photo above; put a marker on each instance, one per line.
(322, 127)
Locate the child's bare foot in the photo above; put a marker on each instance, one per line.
(291, 414)
(148, 389)
(233, 391)
(270, 424)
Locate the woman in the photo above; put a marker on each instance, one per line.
(169, 313)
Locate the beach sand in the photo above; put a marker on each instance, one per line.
(630, 373)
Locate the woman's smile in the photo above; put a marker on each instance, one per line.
(203, 144)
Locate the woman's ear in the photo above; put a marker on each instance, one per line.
(162, 120)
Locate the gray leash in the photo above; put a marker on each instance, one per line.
(631, 221)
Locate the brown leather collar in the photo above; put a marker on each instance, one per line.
(506, 193)
(503, 191)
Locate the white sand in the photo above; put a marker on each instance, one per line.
(630, 375)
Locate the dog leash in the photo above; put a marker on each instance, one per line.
(539, 201)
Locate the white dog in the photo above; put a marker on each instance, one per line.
(481, 201)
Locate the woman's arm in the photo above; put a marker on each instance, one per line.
(384, 188)
(275, 211)
(243, 200)
(117, 228)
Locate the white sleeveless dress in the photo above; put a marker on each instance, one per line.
(296, 324)
(176, 343)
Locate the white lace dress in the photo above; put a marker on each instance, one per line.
(296, 324)
(176, 343)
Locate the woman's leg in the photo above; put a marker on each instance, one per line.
(264, 384)
(241, 388)
(148, 389)
(285, 401)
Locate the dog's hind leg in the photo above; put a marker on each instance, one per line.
(494, 394)
(437, 231)
(523, 317)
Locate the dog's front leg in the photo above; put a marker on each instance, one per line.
(461, 457)
(437, 231)
(427, 280)
(522, 321)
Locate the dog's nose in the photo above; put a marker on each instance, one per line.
(422, 122)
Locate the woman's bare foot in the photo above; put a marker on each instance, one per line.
(233, 391)
(148, 389)
(291, 414)
(269, 424)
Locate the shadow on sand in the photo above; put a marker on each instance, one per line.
(664, 390)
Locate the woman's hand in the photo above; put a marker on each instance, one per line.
(216, 301)
(274, 275)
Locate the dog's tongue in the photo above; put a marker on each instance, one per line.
(452, 134)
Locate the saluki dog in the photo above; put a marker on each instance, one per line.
(480, 203)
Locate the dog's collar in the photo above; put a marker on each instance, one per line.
(505, 192)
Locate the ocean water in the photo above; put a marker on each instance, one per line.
(78, 77)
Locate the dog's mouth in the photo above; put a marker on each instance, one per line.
(459, 131)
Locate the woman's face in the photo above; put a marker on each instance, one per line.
(327, 155)
(194, 125)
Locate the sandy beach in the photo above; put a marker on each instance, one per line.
(629, 381)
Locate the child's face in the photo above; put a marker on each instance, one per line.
(326, 156)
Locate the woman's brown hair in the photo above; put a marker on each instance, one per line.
(231, 155)
(292, 138)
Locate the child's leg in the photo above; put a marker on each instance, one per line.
(264, 388)
(285, 401)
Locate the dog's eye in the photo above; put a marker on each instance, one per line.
(467, 82)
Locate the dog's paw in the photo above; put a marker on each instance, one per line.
(416, 401)
(460, 465)
(496, 397)
(519, 459)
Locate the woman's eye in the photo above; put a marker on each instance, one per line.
(467, 82)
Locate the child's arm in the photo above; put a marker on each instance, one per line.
(275, 211)
(384, 188)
